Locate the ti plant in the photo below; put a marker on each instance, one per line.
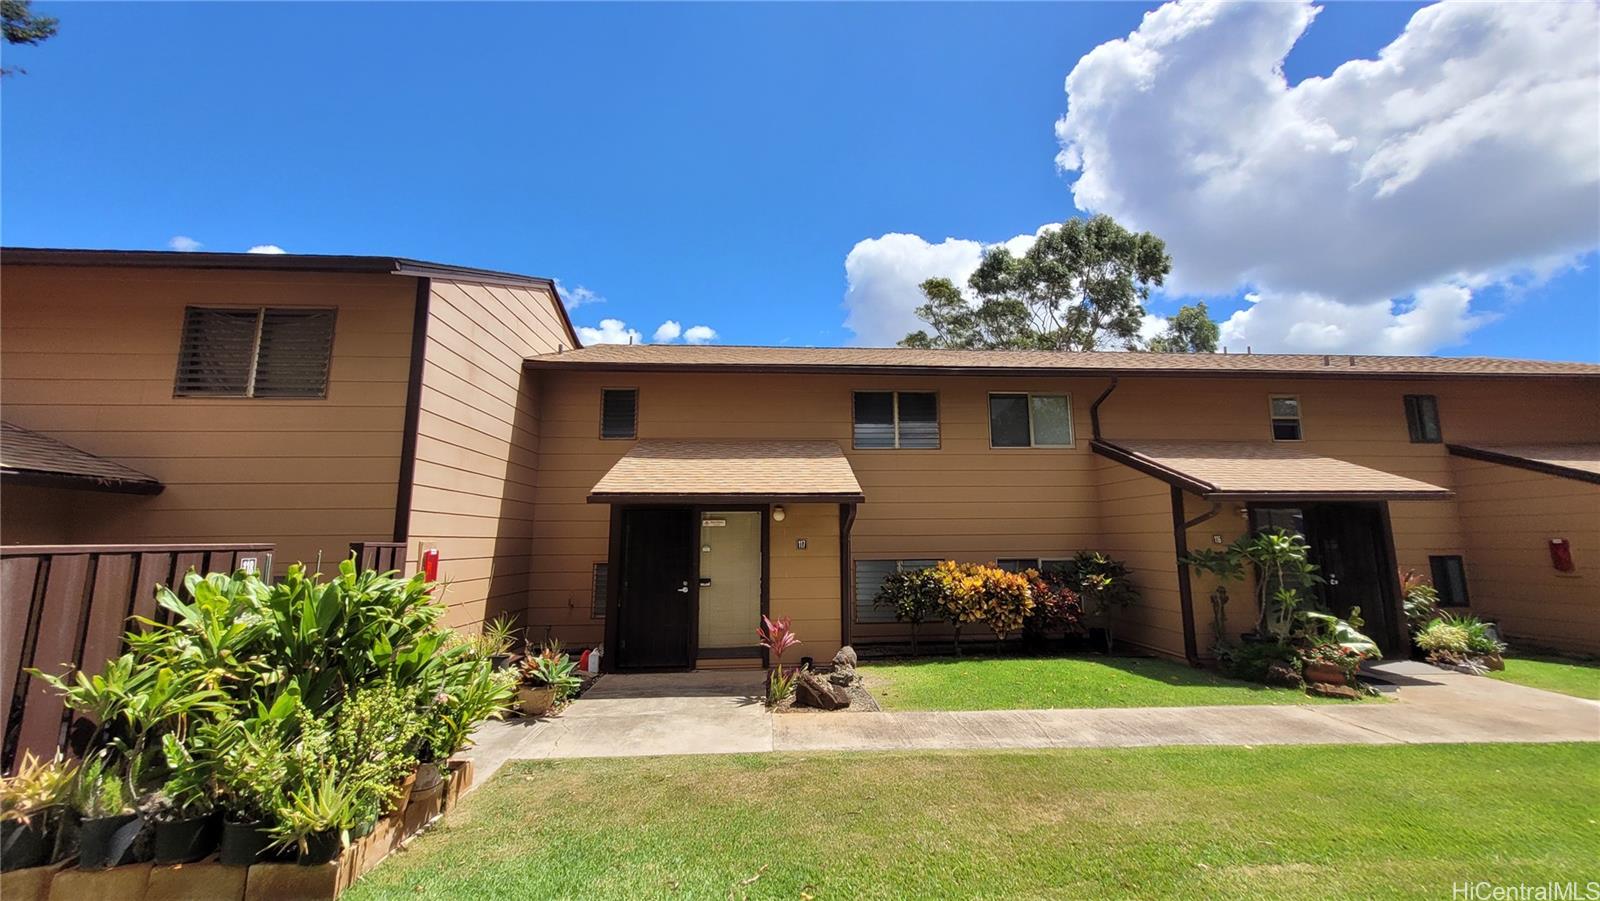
(778, 636)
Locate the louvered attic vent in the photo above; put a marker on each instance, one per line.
(254, 352)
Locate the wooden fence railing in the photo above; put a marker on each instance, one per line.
(382, 556)
(69, 605)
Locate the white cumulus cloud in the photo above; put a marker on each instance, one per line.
(577, 295)
(184, 244)
(1364, 210)
(266, 248)
(611, 331)
(616, 331)
(1364, 207)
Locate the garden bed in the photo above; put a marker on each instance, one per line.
(210, 880)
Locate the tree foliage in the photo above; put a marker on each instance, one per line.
(21, 26)
(1081, 286)
(1191, 331)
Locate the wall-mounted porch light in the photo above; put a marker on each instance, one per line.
(777, 513)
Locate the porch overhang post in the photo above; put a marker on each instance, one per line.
(847, 521)
(1180, 542)
(608, 660)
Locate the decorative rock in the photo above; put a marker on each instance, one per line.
(845, 658)
(843, 678)
(810, 691)
(1334, 691)
(1284, 676)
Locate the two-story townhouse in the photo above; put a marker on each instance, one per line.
(658, 500)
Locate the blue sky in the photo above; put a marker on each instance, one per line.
(710, 165)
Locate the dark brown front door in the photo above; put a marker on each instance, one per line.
(655, 599)
(1350, 548)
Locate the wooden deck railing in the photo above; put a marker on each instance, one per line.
(69, 605)
(382, 556)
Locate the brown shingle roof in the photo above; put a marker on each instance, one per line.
(1259, 470)
(905, 359)
(28, 457)
(731, 471)
(1572, 461)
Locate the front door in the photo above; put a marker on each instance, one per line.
(730, 582)
(654, 599)
(1349, 546)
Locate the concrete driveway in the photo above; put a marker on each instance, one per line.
(722, 713)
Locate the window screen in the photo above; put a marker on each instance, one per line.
(1008, 420)
(619, 413)
(869, 579)
(1030, 420)
(1016, 564)
(1285, 409)
(259, 352)
(597, 596)
(896, 419)
(1422, 418)
(1450, 579)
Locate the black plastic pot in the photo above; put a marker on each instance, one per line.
(500, 661)
(187, 840)
(244, 843)
(26, 844)
(320, 848)
(108, 841)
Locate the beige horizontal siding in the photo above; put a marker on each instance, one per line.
(89, 355)
(478, 442)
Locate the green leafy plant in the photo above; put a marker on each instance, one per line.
(554, 670)
(1281, 560)
(913, 596)
(1439, 635)
(372, 734)
(329, 803)
(1421, 599)
(99, 788)
(1106, 586)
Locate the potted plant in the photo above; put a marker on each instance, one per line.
(109, 823)
(548, 678)
(251, 768)
(499, 634)
(316, 817)
(30, 810)
(188, 824)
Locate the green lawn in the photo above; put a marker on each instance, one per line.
(1034, 683)
(1568, 676)
(1273, 822)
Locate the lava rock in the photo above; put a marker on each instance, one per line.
(845, 657)
(1284, 676)
(812, 691)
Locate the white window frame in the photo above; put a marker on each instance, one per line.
(894, 393)
(1033, 443)
(1299, 419)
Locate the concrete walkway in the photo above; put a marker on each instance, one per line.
(722, 713)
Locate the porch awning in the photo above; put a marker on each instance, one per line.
(29, 458)
(697, 472)
(1252, 470)
(1569, 461)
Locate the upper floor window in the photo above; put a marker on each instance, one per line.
(1030, 420)
(1422, 418)
(902, 419)
(1285, 411)
(619, 413)
(254, 352)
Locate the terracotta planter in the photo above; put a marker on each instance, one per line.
(536, 700)
(1326, 673)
